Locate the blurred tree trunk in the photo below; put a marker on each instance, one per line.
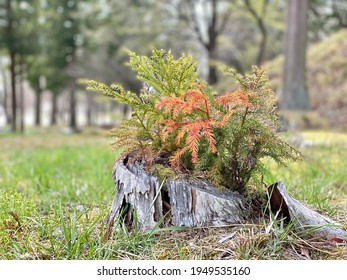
(13, 89)
(5, 100)
(294, 94)
(12, 53)
(22, 106)
(7, 112)
(262, 28)
(72, 120)
(98, 113)
(191, 12)
(211, 45)
(21, 94)
(89, 111)
(54, 108)
(213, 32)
(38, 94)
(212, 69)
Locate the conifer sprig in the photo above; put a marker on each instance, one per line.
(167, 76)
(224, 137)
(192, 118)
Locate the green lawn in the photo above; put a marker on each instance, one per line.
(55, 192)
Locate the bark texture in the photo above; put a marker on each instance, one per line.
(138, 189)
(143, 201)
(294, 94)
(188, 203)
(305, 219)
(200, 204)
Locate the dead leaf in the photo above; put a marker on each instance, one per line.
(337, 240)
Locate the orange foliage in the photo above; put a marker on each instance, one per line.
(187, 103)
(233, 99)
(193, 117)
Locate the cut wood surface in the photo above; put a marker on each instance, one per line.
(304, 218)
(190, 203)
(200, 204)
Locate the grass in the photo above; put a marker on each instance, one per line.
(55, 193)
(321, 178)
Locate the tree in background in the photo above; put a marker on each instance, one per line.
(19, 41)
(340, 12)
(62, 40)
(326, 17)
(207, 19)
(4, 91)
(27, 37)
(248, 31)
(294, 95)
(35, 57)
(110, 29)
(36, 78)
(56, 82)
(59, 41)
(259, 17)
(9, 42)
(70, 37)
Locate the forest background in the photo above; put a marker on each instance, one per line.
(47, 46)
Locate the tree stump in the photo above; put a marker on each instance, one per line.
(199, 204)
(305, 219)
(190, 204)
(144, 201)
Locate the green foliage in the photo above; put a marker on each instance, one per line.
(222, 138)
(16, 32)
(167, 76)
(163, 76)
(250, 135)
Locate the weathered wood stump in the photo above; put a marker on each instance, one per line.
(190, 204)
(305, 219)
(198, 203)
